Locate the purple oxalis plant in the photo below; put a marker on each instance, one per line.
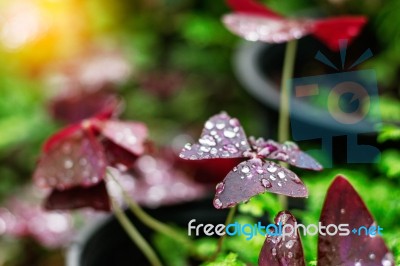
(342, 205)
(224, 137)
(74, 160)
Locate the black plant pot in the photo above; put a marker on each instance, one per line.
(107, 243)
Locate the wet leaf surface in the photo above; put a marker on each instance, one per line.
(283, 251)
(256, 176)
(343, 205)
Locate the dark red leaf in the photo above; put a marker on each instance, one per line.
(60, 136)
(115, 154)
(251, 7)
(208, 171)
(253, 177)
(75, 159)
(95, 197)
(155, 181)
(79, 106)
(283, 251)
(128, 135)
(331, 30)
(222, 137)
(266, 29)
(343, 205)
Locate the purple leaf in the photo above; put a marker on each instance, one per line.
(289, 152)
(283, 251)
(77, 159)
(129, 135)
(222, 137)
(267, 29)
(75, 107)
(256, 176)
(116, 155)
(95, 197)
(343, 205)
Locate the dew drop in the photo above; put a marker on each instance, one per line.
(234, 169)
(259, 170)
(217, 203)
(273, 178)
(188, 146)
(290, 255)
(220, 125)
(209, 125)
(213, 132)
(231, 148)
(225, 154)
(387, 260)
(295, 178)
(234, 122)
(290, 244)
(68, 164)
(193, 157)
(357, 263)
(245, 169)
(266, 183)
(273, 251)
(281, 175)
(220, 188)
(207, 140)
(342, 211)
(213, 151)
(229, 133)
(242, 177)
(205, 148)
(131, 139)
(181, 155)
(272, 168)
(279, 184)
(371, 256)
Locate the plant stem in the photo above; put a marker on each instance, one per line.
(151, 222)
(134, 234)
(228, 220)
(287, 75)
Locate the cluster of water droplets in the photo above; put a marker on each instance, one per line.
(282, 246)
(270, 30)
(222, 137)
(74, 161)
(125, 136)
(387, 260)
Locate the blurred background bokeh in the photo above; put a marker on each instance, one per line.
(170, 61)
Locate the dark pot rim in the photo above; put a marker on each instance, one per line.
(179, 214)
(76, 249)
(249, 73)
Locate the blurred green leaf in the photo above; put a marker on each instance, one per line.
(226, 260)
(390, 163)
(389, 132)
